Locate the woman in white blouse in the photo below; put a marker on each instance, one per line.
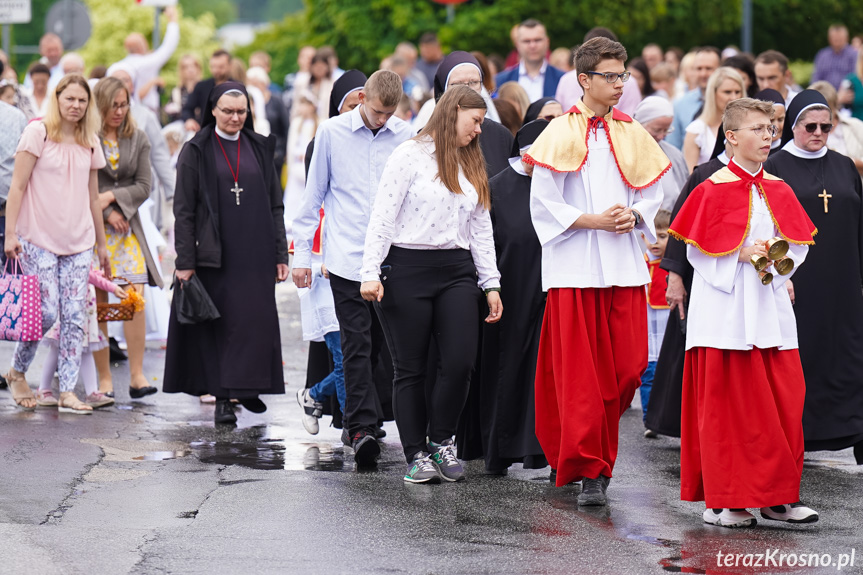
(429, 243)
(724, 85)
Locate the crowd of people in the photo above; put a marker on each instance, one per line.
(495, 252)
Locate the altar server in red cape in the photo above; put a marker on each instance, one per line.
(743, 386)
(595, 183)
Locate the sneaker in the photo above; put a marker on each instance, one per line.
(443, 457)
(792, 513)
(422, 470)
(650, 434)
(312, 411)
(366, 448)
(380, 432)
(46, 399)
(593, 491)
(97, 400)
(729, 517)
(346, 439)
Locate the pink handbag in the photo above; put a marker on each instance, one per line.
(20, 306)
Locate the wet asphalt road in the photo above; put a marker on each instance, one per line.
(152, 486)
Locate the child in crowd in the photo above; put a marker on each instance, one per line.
(657, 307)
(743, 386)
(318, 315)
(94, 340)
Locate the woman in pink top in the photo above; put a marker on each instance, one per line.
(53, 219)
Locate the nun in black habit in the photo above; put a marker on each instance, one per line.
(509, 348)
(829, 302)
(543, 109)
(229, 230)
(663, 410)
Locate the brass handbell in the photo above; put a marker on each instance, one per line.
(766, 277)
(759, 262)
(776, 249)
(784, 266)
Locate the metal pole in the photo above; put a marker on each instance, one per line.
(746, 29)
(7, 30)
(156, 29)
(450, 13)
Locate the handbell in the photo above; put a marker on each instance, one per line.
(766, 278)
(784, 266)
(759, 262)
(777, 248)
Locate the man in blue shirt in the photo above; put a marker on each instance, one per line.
(350, 153)
(837, 60)
(706, 62)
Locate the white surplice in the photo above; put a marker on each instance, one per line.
(590, 258)
(729, 308)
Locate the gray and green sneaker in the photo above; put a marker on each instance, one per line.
(421, 469)
(443, 457)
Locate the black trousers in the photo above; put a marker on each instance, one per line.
(429, 294)
(362, 340)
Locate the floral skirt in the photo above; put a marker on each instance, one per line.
(127, 257)
(94, 340)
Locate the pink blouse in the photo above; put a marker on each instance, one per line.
(55, 211)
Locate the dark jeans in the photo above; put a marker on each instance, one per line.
(362, 340)
(429, 293)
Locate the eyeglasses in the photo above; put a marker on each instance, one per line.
(612, 77)
(760, 130)
(116, 107)
(473, 84)
(825, 128)
(665, 132)
(238, 113)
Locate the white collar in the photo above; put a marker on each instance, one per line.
(723, 157)
(522, 71)
(225, 136)
(755, 173)
(775, 144)
(515, 164)
(792, 149)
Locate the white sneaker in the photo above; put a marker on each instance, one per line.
(312, 411)
(791, 513)
(729, 518)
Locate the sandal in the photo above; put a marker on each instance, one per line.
(208, 399)
(46, 398)
(69, 403)
(97, 400)
(21, 392)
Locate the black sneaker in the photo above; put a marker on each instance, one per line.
(422, 470)
(366, 449)
(593, 491)
(225, 412)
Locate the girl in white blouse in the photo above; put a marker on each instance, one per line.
(429, 244)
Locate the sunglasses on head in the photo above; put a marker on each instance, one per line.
(825, 128)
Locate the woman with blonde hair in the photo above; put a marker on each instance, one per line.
(429, 244)
(516, 95)
(124, 184)
(53, 220)
(724, 85)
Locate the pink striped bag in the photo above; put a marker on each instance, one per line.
(20, 306)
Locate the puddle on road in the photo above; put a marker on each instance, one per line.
(271, 454)
(161, 455)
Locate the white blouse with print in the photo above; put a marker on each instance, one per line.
(414, 210)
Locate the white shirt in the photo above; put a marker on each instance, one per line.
(344, 173)
(590, 258)
(790, 95)
(414, 210)
(705, 139)
(317, 307)
(147, 67)
(729, 307)
(533, 85)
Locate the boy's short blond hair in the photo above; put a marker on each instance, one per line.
(737, 110)
(662, 221)
(385, 86)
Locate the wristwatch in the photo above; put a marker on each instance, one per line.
(638, 218)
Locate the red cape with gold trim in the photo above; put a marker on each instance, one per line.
(563, 146)
(715, 218)
(317, 244)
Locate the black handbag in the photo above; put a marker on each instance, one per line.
(192, 302)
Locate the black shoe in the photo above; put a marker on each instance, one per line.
(379, 432)
(593, 491)
(346, 439)
(552, 477)
(116, 354)
(254, 404)
(858, 452)
(225, 412)
(139, 392)
(3, 383)
(366, 449)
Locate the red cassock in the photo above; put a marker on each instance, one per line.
(592, 352)
(742, 410)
